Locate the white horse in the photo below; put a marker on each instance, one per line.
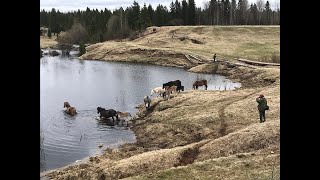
(157, 90)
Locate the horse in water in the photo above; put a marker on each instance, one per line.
(70, 110)
(124, 115)
(200, 83)
(107, 113)
(147, 101)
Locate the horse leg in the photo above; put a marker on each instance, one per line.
(112, 120)
(206, 87)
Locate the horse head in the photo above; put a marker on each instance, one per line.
(99, 109)
(66, 104)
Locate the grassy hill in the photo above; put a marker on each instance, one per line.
(260, 43)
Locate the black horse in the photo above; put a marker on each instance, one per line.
(174, 83)
(107, 113)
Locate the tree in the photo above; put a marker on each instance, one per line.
(76, 35)
(145, 19)
(151, 13)
(172, 11)
(185, 12)
(49, 33)
(267, 13)
(113, 27)
(178, 9)
(136, 15)
(233, 12)
(260, 4)
(227, 7)
(82, 49)
(191, 12)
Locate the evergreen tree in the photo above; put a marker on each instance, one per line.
(151, 14)
(49, 32)
(233, 12)
(191, 12)
(145, 19)
(178, 9)
(185, 12)
(82, 49)
(267, 13)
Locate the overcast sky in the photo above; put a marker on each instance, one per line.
(71, 5)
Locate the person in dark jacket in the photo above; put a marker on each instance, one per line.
(262, 107)
(214, 57)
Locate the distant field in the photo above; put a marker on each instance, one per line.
(46, 42)
(259, 43)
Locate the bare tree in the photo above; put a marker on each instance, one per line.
(260, 6)
(245, 6)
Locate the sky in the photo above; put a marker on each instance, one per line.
(73, 5)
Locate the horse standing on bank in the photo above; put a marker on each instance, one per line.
(200, 83)
(169, 90)
(174, 83)
(147, 101)
(157, 90)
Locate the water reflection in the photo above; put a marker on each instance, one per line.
(42, 154)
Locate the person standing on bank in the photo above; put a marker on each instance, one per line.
(214, 57)
(262, 107)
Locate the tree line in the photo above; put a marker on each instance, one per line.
(101, 25)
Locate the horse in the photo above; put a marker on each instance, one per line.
(157, 90)
(180, 88)
(200, 83)
(174, 83)
(147, 101)
(124, 115)
(107, 113)
(169, 90)
(70, 110)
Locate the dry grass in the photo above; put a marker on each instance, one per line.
(260, 43)
(46, 42)
(245, 166)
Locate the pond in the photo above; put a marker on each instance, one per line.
(87, 84)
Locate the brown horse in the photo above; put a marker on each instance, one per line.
(169, 90)
(200, 83)
(70, 110)
(124, 114)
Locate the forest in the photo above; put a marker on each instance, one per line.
(100, 25)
